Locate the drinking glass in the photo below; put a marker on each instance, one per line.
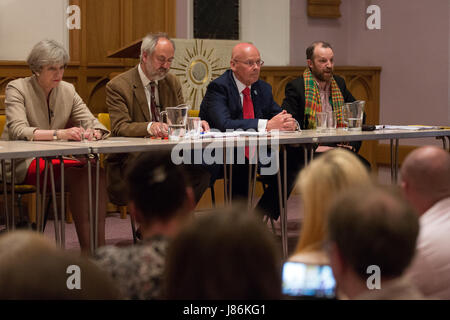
(331, 121)
(321, 121)
(353, 114)
(194, 127)
(87, 130)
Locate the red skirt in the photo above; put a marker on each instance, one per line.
(31, 173)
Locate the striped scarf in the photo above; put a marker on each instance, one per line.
(313, 103)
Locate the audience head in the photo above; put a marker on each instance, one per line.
(47, 60)
(158, 190)
(370, 226)
(157, 54)
(228, 254)
(425, 176)
(320, 59)
(319, 183)
(31, 267)
(246, 63)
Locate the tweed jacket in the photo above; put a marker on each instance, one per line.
(128, 106)
(27, 110)
(130, 116)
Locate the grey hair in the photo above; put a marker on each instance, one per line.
(46, 52)
(150, 40)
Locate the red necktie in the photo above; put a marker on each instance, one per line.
(248, 113)
(153, 102)
(248, 104)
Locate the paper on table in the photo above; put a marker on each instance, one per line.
(392, 127)
(215, 134)
(237, 133)
(251, 133)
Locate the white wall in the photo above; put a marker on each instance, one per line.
(23, 23)
(266, 24)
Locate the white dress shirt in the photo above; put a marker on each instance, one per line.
(430, 269)
(262, 123)
(145, 82)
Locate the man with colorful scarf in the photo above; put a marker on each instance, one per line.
(318, 90)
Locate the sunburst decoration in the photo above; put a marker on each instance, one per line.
(196, 67)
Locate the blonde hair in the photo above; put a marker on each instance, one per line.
(320, 182)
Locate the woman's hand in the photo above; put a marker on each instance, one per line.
(73, 134)
(98, 134)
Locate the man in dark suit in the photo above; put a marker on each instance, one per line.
(135, 99)
(324, 92)
(239, 100)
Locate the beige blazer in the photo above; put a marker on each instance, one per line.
(27, 110)
(130, 116)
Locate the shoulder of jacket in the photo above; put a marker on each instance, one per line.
(20, 83)
(123, 79)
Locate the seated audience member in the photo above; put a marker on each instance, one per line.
(161, 201)
(425, 176)
(228, 254)
(319, 89)
(372, 236)
(135, 99)
(31, 267)
(43, 107)
(320, 182)
(238, 99)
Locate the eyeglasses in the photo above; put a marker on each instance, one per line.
(251, 63)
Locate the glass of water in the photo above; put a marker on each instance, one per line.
(87, 130)
(194, 126)
(321, 121)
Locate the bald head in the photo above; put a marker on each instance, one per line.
(426, 173)
(246, 63)
(241, 50)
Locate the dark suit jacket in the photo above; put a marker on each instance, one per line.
(294, 101)
(222, 106)
(129, 114)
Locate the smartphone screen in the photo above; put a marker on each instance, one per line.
(308, 280)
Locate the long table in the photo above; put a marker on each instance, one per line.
(306, 139)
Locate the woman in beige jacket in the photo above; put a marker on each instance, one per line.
(43, 107)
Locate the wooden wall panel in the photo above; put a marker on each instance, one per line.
(153, 16)
(103, 25)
